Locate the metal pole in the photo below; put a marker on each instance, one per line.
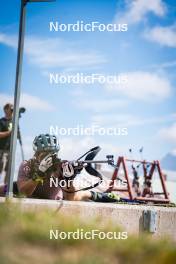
(21, 144)
(13, 141)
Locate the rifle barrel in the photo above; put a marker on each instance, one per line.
(94, 161)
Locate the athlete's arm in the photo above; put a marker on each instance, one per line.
(26, 184)
(5, 134)
(27, 187)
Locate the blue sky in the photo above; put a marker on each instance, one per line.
(146, 53)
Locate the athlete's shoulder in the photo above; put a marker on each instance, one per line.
(2, 120)
(26, 165)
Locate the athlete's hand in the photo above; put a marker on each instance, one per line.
(46, 163)
(7, 133)
(10, 127)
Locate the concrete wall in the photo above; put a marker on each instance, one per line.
(128, 217)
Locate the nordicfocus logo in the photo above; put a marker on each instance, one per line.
(81, 78)
(81, 26)
(83, 183)
(93, 130)
(87, 235)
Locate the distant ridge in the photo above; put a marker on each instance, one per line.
(168, 162)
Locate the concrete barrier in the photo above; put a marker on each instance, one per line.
(129, 217)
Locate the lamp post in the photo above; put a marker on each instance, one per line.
(13, 140)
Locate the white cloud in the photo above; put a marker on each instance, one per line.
(169, 133)
(143, 86)
(72, 148)
(29, 101)
(165, 36)
(35, 103)
(126, 120)
(119, 120)
(173, 152)
(8, 40)
(100, 105)
(137, 10)
(55, 52)
(84, 100)
(167, 64)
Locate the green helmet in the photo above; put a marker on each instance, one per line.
(46, 142)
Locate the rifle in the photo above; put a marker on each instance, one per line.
(87, 163)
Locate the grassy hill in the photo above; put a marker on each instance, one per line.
(25, 239)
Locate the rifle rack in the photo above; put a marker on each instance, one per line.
(146, 194)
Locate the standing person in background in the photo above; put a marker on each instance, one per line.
(5, 135)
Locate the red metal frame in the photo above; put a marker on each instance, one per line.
(155, 165)
(121, 161)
